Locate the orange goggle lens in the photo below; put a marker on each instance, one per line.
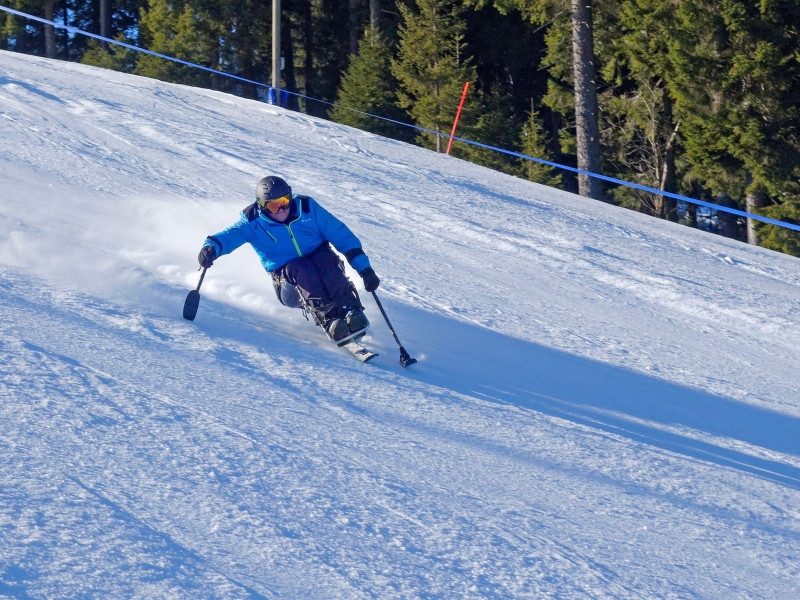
(274, 206)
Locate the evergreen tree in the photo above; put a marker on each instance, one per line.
(639, 143)
(369, 86)
(492, 123)
(780, 238)
(249, 31)
(223, 34)
(533, 142)
(10, 27)
(572, 90)
(329, 48)
(121, 17)
(20, 34)
(303, 22)
(431, 67)
(573, 83)
(113, 56)
(24, 35)
(506, 80)
(736, 82)
(320, 50)
(506, 51)
(158, 31)
(640, 132)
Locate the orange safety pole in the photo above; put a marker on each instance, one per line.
(458, 114)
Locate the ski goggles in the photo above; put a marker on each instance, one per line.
(274, 206)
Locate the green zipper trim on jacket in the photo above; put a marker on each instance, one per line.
(265, 230)
(291, 235)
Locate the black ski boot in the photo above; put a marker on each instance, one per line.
(337, 329)
(357, 320)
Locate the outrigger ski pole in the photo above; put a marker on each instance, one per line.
(405, 359)
(193, 299)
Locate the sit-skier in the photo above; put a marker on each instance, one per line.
(292, 236)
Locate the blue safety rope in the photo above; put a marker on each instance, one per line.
(637, 186)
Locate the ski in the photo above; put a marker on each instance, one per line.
(351, 337)
(361, 353)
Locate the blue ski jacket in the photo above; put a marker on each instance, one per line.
(307, 227)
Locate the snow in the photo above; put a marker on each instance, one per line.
(606, 405)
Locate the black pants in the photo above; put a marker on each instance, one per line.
(319, 279)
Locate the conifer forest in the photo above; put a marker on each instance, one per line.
(695, 97)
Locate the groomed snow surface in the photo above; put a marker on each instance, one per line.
(606, 405)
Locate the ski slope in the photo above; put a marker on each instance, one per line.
(606, 405)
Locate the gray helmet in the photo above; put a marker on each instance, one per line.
(271, 188)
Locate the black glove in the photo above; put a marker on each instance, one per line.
(207, 256)
(371, 281)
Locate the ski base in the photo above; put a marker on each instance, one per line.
(358, 351)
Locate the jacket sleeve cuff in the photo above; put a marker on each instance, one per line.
(357, 259)
(360, 263)
(211, 241)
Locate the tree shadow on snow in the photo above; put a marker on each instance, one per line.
(479, 362)
(482, 363)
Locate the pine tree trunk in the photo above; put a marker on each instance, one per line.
(309, 74)
(669, 184)
(49, 30)
(669, 177)
(375, 13)
(276, 46)
(20, 36)
(289, 77)
(65, 43)
(726, 221)
(754, 199)
(691, 216)
(586, 108)
(105, 22)
(353, 10)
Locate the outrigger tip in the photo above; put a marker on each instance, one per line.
(405, 359)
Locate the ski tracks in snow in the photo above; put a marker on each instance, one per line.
(545, 447)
